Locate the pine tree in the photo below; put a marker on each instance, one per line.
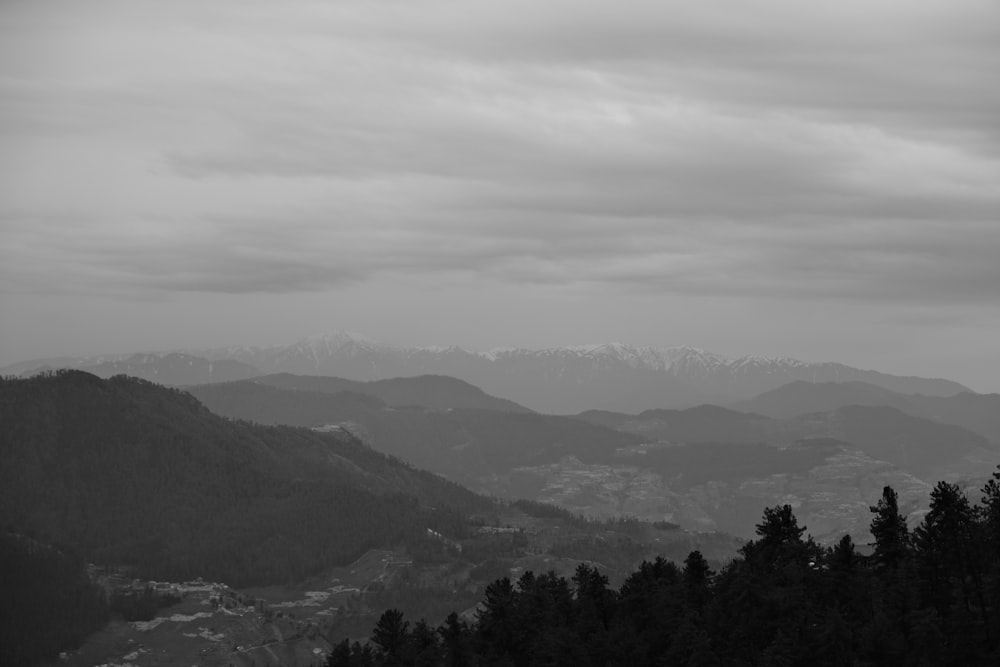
(942, 543)
(391, 635)
(496, 632)
(779, 526)
(892, 538)
(455, 642)
(425, 644)
(340, 655)
(697, 576)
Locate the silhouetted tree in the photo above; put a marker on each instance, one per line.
(783, 601)
(455, 642)
(888, 527)
(391, 635)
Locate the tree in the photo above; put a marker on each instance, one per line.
(592, 591)
(947, 551)
(455, 642)
(697, 577)
(391, 635)
(496, 630)
(425, 644)
(779, 526)
(340, 655)
(843, 557)
(991, 514)
(781, 542)
(892, 537)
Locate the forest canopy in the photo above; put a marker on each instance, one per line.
(929, 596)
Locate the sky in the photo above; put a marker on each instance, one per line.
(814, 180)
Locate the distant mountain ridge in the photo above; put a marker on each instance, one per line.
(884, 432)
(567, 380)
(561, 380)
(437, 392)
(979, 413)
(799, 397)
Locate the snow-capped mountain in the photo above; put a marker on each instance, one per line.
(610, 376)
(560, 380)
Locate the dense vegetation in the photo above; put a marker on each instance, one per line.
(129, 472)
(926, 597)
(49, 605)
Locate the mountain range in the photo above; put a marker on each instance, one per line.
(561, 380)
(571, 379)
(705, 468)
(979, 413)
(438, 392)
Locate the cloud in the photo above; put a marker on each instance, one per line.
(759, 149)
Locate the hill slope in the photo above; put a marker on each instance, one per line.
(437, 392)
(979, 413)
(704, 423)
(800, 397)
(465, 444)
(132, 472)
(720, 469)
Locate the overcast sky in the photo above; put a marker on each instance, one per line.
(817, 180)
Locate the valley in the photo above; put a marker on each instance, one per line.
(318, 502)
(296, 624)
(704, 468)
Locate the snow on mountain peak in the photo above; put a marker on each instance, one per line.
(336, 338)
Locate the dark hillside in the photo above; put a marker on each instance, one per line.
(914, 444)
(265, 404)
(461, 443)
(131, 472)
(690, 465)
(50, 605)
(977, 412)
(605, 418)
(704, 423)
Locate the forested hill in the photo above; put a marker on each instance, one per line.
(465, 444)
(927, 596)
(130, 472)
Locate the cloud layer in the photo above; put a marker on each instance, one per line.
(848, 152)
(717, 147)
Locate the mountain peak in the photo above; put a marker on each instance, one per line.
(336, 338)
(611, 375)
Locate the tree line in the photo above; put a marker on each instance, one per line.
(922, 597)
